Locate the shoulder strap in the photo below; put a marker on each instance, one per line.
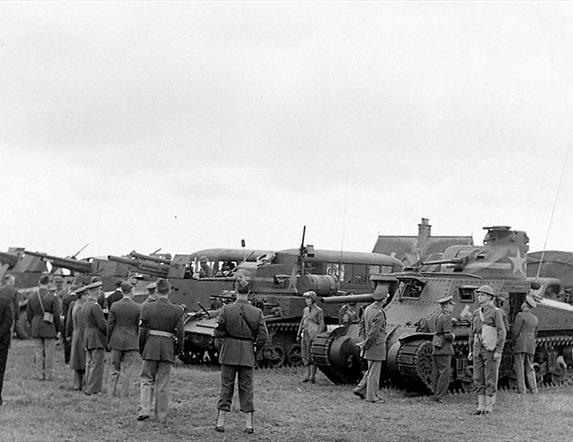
(481, 315)
(40, 299)
(245, 321)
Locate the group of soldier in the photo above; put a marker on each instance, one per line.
(486, 343)
(150, 336)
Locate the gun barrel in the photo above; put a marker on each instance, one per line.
(347, 299)
(443, 261)
(156, 259)
(149, 268)
(65, 263)
(9, 258)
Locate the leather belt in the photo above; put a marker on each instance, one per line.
(161, 333)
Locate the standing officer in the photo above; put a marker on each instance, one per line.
(487, 338)
(75, 330)
(122, 334)
(523, 333)
(311, 324)
(6, 321)
(116, 295)
(443, 349)
(67, 300)
(10, 292)
(161, 336)
(95, 340)
(151, 295)
(243, 329)
(373, 342)
(43, 315)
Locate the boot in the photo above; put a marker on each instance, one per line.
(489, 402)
(481, 404)
(532, 382)
(308, 374)
(220, 427)
(312, 374)
(249, 423)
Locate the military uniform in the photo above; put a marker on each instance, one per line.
(6, 322)
(161, 322)
(44, 333)
(372, 330)
(485, 367)
(75, 330)
(311, 324)
(11, 293)
(523, 333)
(442, 351)
(240, 325)
(95, 342)
(67, 300)
(122, 333)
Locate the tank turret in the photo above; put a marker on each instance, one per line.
(412, 307)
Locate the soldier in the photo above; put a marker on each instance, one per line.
(348, 314)
(311, 324)
(95, 340)
(161, 336)
(116, 295)
(67, 299)
(523, 333)
(122, 335)
(243, 330)
(373, 343)
(43, 315)
(75, 330)
(443, 349)
(486, 341)
(10, 292)
(151, 295)
(6, 320)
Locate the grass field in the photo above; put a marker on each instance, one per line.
(286, 411)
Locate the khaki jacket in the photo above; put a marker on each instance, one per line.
(372, 331)
(161, 315)
(241, 326)
(123, 324)
(96, 328)
(524, 332)
(34, 313)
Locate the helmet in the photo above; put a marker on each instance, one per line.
(486, 289)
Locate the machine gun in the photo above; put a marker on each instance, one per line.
(146, 267)
(64, 263)
(458, 264)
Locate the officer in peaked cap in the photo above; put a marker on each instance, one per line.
(372, 332)
(487, 338)
(442, 349)
(160, 340)
(524, 332)
(311, 324)
(95, 339)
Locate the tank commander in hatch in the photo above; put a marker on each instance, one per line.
(311, 325)
(373, 343)
(487, 338)
(442, 349)
(523, 332)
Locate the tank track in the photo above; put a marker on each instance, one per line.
(282, 350)
(415, 365)
(320, 351)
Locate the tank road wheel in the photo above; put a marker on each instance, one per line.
(212, 356)
(22, 327)
(274, 356)
(192, 357)
(294, 356)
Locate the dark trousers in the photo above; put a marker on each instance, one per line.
(441, 374)
(67, 350)
(3, 359)
(228, 374)
(94, 370)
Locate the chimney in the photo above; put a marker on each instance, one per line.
(424, 231)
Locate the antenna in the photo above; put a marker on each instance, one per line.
(157, 251)
(79, 251)
(552, 212)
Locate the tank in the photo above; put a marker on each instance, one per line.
(278, 281)
(500, 263)
(553, 271)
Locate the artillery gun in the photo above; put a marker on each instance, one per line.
(500, 263)
(277, 284)
(83, 270)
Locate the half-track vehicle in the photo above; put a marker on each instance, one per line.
(278, 282)
(500, 263)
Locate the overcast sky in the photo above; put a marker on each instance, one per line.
(185, 126)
